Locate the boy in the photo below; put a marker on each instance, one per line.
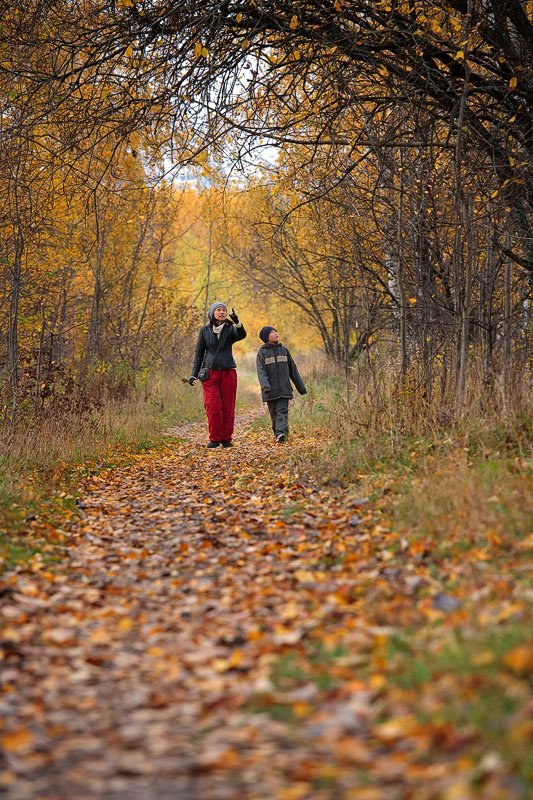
(276, 370)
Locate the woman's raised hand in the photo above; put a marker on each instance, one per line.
(233, 317)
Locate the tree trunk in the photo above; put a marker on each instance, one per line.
(465, 314)
(507, 317)
(208, 273)
(463, 298)
(94, 344)
(12, 350)
(37, 392)
(400, 265)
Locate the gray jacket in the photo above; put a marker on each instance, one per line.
(275, 370)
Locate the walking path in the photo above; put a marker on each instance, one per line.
(217, 631)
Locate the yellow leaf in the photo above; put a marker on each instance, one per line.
(296, 55)
(197, 50)
(304, 576)
(294, 22)
(245, 45)
(337, 5)
(125, 624)
(296, 791)
(129, 51)
(458, 790)
(205, 52)
(377, 681)
(512, 83)
(395, 728)
(221, 664)
(239, 17)
(527, 543)
(483, 658)
(460, 54)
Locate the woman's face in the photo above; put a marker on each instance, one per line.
(220, 314)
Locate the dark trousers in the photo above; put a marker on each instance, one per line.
(219, 402)
(279, 414)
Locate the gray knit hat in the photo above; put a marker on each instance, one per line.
(212, 309)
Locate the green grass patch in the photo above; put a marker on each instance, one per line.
(471, 680)
(294, 669)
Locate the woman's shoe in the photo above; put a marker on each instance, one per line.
(281, 437)
(227, 444)
(213, 444)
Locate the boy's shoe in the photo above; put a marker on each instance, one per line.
(213, 444)
(227, 444)
(281, 437)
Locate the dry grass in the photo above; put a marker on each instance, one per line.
(50, 439)
(451, 473)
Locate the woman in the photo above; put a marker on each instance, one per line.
(214, 351)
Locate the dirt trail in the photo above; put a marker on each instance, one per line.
(161, 660)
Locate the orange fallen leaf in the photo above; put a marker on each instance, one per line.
(18, 741)
(353, 751)
(296, 791)
(520, 659)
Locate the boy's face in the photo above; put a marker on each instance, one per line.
(273, 337)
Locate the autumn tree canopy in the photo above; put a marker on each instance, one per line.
(191, 73)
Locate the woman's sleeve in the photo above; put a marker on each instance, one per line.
(239, 332)
(198, 354)
(295, 376)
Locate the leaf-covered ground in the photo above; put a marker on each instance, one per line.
(226, 626)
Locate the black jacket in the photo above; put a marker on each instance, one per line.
(275, 370)
(208, 343)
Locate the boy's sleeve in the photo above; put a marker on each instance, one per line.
(295, 376)
(262, 373)
(198, 354)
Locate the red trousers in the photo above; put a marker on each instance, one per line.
(220, 391)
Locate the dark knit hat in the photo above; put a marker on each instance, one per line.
(264, 333)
